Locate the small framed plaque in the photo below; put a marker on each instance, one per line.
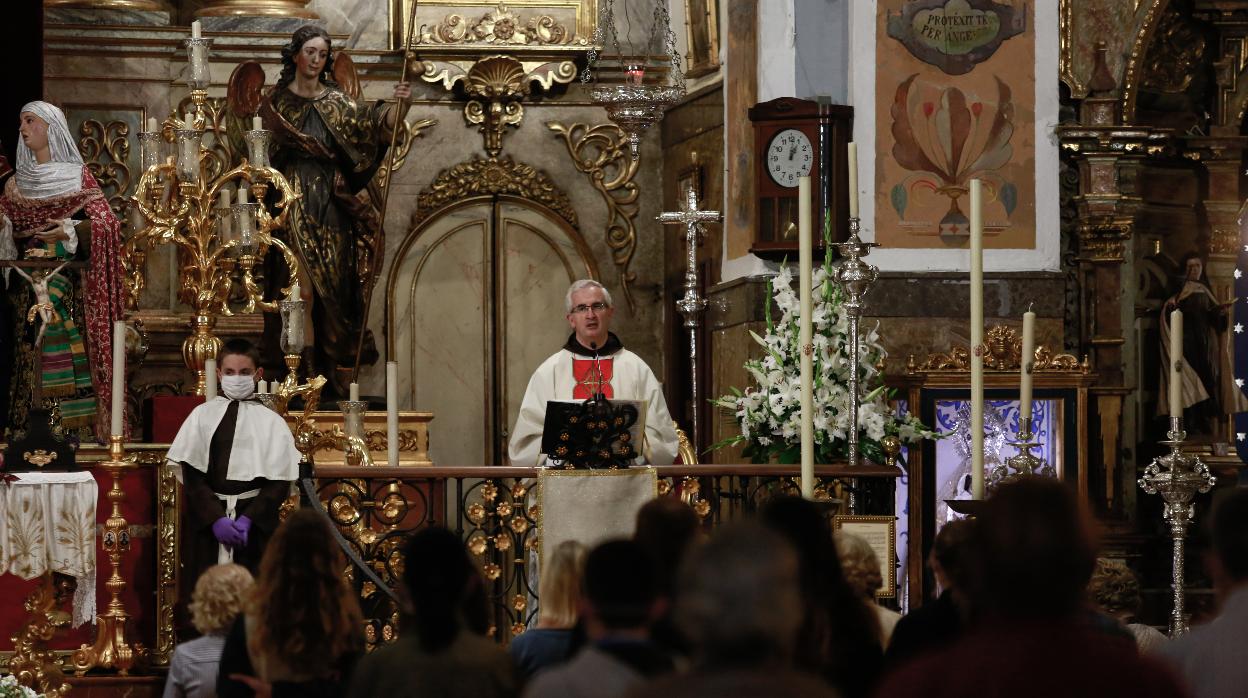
(881, 533)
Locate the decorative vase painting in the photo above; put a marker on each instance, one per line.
(955, 102)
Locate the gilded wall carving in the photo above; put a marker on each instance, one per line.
(601, 151)
(490, 177)
(105, 147)
(500, 26)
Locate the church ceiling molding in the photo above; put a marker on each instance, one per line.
(494, 87)
(602, 153)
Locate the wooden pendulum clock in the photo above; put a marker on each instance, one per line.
(796, 138)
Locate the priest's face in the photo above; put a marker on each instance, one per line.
(311, 58)
(589, 324)
(34, 132)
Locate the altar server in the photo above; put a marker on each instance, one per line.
(238, 464)
(593, 360)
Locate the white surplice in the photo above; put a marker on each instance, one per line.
(631, 379)
(263, 445)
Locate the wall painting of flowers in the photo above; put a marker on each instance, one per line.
(954, 102)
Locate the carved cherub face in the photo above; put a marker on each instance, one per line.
(310, 60)
(34, 131)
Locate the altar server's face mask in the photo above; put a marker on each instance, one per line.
(238, 387)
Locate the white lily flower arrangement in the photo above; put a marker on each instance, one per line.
(10, 688)
(769, 411)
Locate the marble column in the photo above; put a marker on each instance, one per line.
(257, 8)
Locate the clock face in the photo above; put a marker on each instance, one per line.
(789, 156)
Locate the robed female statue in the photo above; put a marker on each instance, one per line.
(329, 144)
(59, 357)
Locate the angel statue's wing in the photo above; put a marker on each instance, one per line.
(345, 75)
(243, 94)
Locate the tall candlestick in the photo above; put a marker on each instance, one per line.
(119, 379)
(392, 413)
(355, 392)
(1176, 364)
(977, 340)
(210, 379)
(804, 336)
(1029, 358)
(853, 180)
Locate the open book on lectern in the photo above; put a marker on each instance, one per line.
(594, 434)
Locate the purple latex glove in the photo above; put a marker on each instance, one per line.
(226, 534)
(243, 525)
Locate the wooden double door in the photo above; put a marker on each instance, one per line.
(476, 303)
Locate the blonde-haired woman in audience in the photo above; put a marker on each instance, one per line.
(862, 571)
(552, 641)
(217, 600)
(1115, 589)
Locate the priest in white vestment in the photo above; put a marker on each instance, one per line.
(593, 360)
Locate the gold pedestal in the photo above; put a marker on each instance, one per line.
(32, 663)
(257, 8)
(200, 346)
(111, 649)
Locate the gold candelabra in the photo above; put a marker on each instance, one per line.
(111, 649)
(217, 238)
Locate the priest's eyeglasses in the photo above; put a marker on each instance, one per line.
(596, 307)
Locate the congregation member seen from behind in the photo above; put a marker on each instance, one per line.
(443, 650)
(939, 622)
(302, 630)
(739, 601)
(1116, 592)
(215, 604)
(862, 572)
(1033, 634)
(666, 528)
(559, 595)
(1212, 656)
(619, 603)
(840, 636)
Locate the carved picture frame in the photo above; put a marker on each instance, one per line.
(881, 533)
(691, 177)
(702, 32)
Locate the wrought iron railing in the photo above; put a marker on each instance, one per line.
(493, 510)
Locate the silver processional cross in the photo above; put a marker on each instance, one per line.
(691, 306)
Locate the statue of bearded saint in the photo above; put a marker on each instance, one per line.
(1208, 390)
(329, 144)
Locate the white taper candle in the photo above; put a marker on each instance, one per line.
(977, 339)
(1028, 358)
(210, 379)
(1175, 389)
(853, 180)
(118, 405)
(804, 254)
(392, 413)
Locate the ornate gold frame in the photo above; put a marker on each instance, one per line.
(471, 10)
(888, 566)
(700, 65)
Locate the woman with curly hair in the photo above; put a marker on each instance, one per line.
(218, 599)
(862, 571)
(1115, 590)
(302, 631)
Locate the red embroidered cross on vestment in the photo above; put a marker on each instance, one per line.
(588, 382)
